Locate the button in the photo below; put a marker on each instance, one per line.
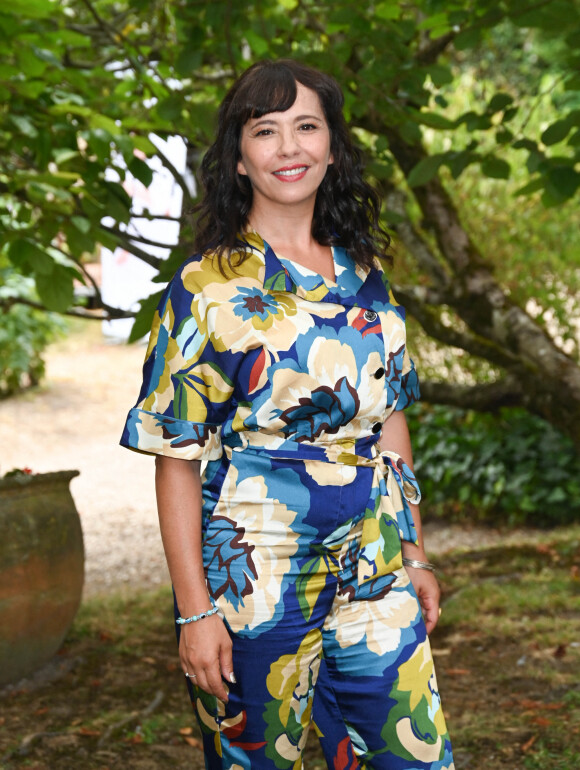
(376, 427)
(370, 315)
(379, 373)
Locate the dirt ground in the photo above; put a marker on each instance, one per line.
(74, 420)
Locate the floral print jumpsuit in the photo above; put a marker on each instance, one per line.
(281, 380)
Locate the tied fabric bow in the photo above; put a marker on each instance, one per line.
(387, 519)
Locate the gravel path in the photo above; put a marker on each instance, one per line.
(75, 421)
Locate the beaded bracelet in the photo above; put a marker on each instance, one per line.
(193, 618)
(419, 564)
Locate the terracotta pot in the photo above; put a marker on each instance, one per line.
(41, 569)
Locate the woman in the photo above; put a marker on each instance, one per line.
(278, 356)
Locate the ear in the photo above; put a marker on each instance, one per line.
(241, 168)
(330, 159)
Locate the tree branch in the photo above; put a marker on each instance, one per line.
(115, 37)
(430, 52)
(125, 242)
(125, 235)
(111, 313)
(413, 241)
(412, 299)
(174, 173)
(487, 397)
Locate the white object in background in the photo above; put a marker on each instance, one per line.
(126, 279)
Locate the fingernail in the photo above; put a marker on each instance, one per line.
(232, 678)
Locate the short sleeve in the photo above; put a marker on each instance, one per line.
(410, 391)
(187, 385)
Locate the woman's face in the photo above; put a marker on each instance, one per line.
(285, 154)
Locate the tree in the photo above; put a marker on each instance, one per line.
(85, 83)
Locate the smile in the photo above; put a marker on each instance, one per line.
(290, 173)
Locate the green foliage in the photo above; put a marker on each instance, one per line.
(25, 333)
(512, 467)
(83, 85)
(481, 98)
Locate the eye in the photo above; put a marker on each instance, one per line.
(307, 127)
(264, 132)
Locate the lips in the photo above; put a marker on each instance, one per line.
(291, 172)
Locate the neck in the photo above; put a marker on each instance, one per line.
(285, 228)
(289, 233)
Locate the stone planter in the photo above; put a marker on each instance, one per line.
(41, 569)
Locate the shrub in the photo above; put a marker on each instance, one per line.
(24, 335)
(507, 467)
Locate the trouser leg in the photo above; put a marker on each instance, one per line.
(266, 721)
(378, 683)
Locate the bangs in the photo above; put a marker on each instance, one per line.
(270, 90)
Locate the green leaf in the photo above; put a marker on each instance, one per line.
(503, 136)
(440, 75)
(411, 132)
(257, 42)
(56, 289)
(25, 254)
(557, 132)
(141, 171)
(62, 154)
(78, 243)
(32, 9)
(82, 224)
(499, 102)
(105, 123)
(562, 183)
(425, 170)
(437, 20)
(531, 187)
(24, 125)
(387, 11)
(468, 38)
(474, 122)
(144, 317)
(525, 144)
(496, 168)
(63, 108)
(509, 114)
(458, 162)
(170, 108)
(144, 144)
(189, 60)
(434, 120)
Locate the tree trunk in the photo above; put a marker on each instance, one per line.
(539, 375)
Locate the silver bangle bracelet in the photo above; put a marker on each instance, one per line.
(419, 564)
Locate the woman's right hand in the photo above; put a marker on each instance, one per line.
(205, 650)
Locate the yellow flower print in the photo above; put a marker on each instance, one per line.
(418, 684)
(291, 684)
(379, 623)
(267, 534)
(243, 315)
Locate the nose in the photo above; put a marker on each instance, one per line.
(288, 142)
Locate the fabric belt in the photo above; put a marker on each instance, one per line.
(387, 518)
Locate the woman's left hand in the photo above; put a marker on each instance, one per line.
(428, 591)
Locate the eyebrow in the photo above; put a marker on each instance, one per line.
(270, 121)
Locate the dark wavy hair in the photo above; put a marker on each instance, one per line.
(346, 211)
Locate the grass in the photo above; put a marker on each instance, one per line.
(507, 652)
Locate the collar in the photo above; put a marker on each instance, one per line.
(355, 286)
